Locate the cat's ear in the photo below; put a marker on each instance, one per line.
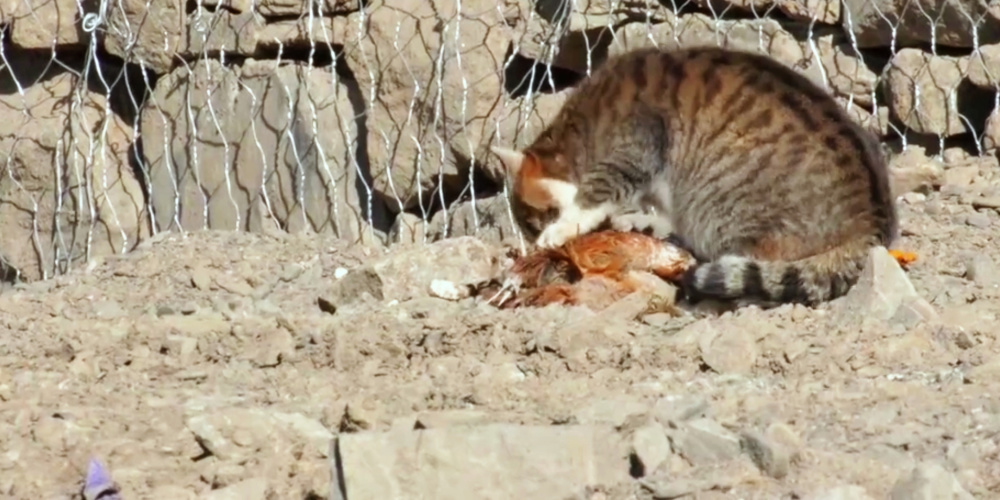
(512, 160)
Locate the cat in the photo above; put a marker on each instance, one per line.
(756, 170)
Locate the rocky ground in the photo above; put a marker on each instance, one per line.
(221, 365)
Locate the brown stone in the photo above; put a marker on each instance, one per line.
(984, 67)
(922, 90)
(833, 65)
(238, 168)
(429, 118)
(491, 461)
(45, 24)
(991, 134)
(146, 32)
(70, 193)
(881, 23)
(821, 11)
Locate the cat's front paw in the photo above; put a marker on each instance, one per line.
(642, 222)
(557, 234)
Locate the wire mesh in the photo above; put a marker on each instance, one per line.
(371, 120)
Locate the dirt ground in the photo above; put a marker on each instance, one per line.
(132, 359)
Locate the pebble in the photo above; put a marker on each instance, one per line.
(770, 457)
(450, 418)
(672, 409)
(978, 219)
(613, 411)
(108, 309)
(256, 488)
(928, 481)
(985, 372)
(991, 202)
(705, 442)
(982, 270)
(651, 447)
(728, 350)
(447, 290)
(844, 492)
(201, 278)
(961, 176)
(879, 294)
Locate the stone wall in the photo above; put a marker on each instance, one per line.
(371, 120)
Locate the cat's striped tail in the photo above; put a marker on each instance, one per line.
(809, 281)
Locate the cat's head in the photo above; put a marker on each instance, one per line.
(534, 200)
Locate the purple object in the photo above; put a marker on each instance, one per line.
(99, 485)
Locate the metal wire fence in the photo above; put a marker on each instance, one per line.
(371, 120)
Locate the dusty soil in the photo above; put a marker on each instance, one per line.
(120, 361)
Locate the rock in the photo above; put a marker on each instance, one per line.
(981, 269)
(688, 483)
(175, 492)
(991, 132)
(256, 488)
(913, 312)
(575, 38)
(212, 32)
(409, 271)
(921, 91)
(68, 191)
(272, 345)
(876, 122)
(669, 410)
(214, 175)
(833, 65)
(251, 34)
(785, 437)
(45, 25)
(882, 289)
(845, 492)
(408, 228)
(912, 170)
(181, 346)
(613, 411)
(237, 434)
(522, 120)
(455, 96)
(488, 219)
(978, 219)
(450, 418)
(704, 442)
(360, 415)
(651, 447)
(282, 8)
(699, 29)
(820, 11)
(986, 372)
(510, 462)
(961, 176)
(770, 457)
(992, 203)
(727, 349)
(901, 23)
(444, 289)
(146, 32)
(928, 481)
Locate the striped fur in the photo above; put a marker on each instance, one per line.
(760, 173)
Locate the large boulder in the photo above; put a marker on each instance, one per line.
(67, 190)
(901, 23)
(254, 147)
(429, 76)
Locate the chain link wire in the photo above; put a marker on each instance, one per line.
(372, 120)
